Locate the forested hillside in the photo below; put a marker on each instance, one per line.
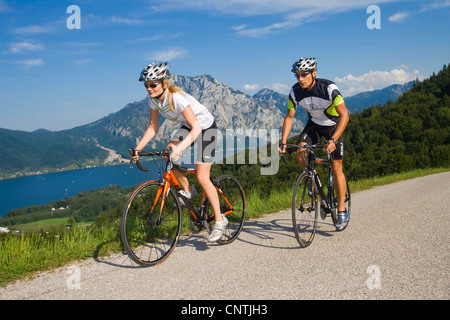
(44, 151)
(411, 133)
(85, 206)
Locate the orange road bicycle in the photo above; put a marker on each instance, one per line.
(152, 219)
(309, 197)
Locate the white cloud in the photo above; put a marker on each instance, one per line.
(146, 39)
(260, 7)
(250, 87)
(168, 54)
(4, 7)
(81, 62)
(120, 20)
(19, 47)
(262, 31)
(83, 44)
(30, 63)
(398, 17)
(293, 20)
(33, 30)
(280, 87)
(432, 5)
(296, 12)
(374, 80)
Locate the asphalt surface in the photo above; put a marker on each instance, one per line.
(396, 247)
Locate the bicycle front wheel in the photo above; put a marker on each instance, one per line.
(151, 224)
(232, 205)
(304, 209)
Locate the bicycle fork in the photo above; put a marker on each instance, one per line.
(163, 191)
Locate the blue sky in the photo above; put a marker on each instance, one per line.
(58, 78)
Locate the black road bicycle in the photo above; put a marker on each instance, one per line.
(309, 197)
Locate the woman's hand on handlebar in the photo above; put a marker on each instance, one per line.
(176, 152)
(134, 153)
(282, 148)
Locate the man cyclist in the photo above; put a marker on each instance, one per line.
(328, 118)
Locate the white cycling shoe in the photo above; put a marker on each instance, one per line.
(218, 229)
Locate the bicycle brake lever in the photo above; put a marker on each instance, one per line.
(330, 157)
(138, 164)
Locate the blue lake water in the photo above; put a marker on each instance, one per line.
(44, 188)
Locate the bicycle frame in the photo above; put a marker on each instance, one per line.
(169, 179)
(327, 198)
(310, 168)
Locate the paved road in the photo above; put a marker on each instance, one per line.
(396, 247)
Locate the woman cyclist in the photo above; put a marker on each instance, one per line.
(198, 126)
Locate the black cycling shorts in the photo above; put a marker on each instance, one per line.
(206, 142)
(313, 132)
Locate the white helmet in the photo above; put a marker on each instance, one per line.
(304, 64)
(156, 71)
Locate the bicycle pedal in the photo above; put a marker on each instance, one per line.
(154, 222)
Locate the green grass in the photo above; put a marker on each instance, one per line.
(22, 255)
(42, 224)
(366, 184)
(45, 224)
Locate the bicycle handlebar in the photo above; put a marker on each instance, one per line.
(163, 153)
(309, 147)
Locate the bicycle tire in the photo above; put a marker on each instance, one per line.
(147, 240)
(347, 206)
(230, 189)
(305, 210)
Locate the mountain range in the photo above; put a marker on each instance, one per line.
(107, 140)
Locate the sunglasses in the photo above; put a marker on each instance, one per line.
(151, 85)
(302, 75)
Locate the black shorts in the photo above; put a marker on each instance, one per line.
(313, 132)
(206, 142)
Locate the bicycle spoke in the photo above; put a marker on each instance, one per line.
(304, 210)
(150, 225)
(232, 205)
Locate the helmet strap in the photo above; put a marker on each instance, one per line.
(312, 83)
(162, 83)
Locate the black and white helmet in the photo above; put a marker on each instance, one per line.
(304, 64)
(156, 71)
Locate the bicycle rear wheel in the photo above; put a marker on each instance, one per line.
(148, 237)
(305, 209)
(232, 205)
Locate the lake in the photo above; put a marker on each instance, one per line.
(44, 188)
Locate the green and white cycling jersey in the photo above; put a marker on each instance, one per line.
(320, 102)
(180, 102)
